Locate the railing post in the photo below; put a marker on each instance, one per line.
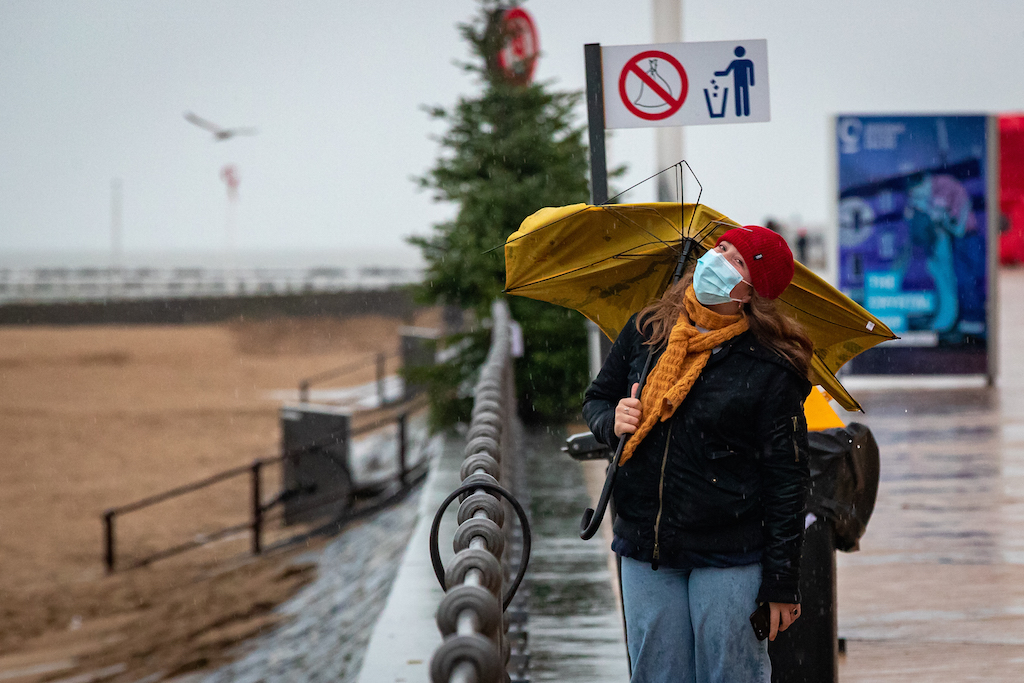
(257, 508)
(304, 391)
(380, 379)
(108, 537)
(402, 445)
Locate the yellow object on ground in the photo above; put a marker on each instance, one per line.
(608, 262)
(819, 413)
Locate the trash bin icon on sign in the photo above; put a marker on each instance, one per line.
(716, 106)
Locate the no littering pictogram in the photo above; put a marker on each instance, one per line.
(517, 57)
(661, 88)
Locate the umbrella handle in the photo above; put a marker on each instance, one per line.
(591, 520)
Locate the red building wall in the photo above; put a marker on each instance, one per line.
(1011, 188)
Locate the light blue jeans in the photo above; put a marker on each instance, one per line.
(693, 625)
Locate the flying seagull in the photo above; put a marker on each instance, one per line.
(218, 132)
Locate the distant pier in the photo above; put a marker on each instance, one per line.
(84, 284)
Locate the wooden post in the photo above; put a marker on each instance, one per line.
(257, 508)
(108, 535)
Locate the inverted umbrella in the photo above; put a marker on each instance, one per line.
(608, 262)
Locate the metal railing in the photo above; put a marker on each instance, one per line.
(255, 523)
(476, 646)
(260, 509)
(380, 363)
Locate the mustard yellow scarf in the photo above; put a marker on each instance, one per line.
(687, 353)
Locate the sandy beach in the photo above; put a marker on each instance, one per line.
(93, 417)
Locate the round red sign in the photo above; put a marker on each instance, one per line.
(517, 57)
(660, 93)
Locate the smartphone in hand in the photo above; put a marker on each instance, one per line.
(761, 621)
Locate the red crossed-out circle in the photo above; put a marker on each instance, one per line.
(517, 58)
(632, 67)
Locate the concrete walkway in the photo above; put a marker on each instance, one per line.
(575, 625)
(937, 591)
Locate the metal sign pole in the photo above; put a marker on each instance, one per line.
(598, 344)
(595, 124)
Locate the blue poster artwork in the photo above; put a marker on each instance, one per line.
(912, 217)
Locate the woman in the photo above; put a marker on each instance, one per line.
(710, 491)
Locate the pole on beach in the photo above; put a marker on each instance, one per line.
(108, 538)
(257, 508)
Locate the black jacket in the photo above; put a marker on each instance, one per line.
(730, 465)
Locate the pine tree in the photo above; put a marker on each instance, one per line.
(508, 152)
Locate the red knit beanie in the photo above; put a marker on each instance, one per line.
(766, 255)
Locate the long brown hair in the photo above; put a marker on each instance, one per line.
(770, 326)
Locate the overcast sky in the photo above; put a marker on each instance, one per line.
(94, 90)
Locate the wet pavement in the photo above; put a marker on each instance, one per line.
(937, 590)
(332, 619)
(575, 625)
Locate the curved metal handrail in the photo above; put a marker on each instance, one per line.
(476, 645)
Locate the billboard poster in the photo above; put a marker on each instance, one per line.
(913, 216)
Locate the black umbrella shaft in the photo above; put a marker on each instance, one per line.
(592, 517)
(687, 246)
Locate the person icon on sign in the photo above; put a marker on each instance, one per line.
(743, 78)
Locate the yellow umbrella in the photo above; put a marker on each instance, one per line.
(608, 262)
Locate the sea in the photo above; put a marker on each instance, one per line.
(401, 256)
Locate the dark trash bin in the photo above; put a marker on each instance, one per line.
(418, 347)
(844, 466)
(316, 480)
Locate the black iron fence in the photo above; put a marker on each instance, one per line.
(478, 582)
(304, 499)
(380, 363)
(315, 460)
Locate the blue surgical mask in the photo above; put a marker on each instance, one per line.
(714, 279)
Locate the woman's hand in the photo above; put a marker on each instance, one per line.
(783, 614)
(627, 413)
